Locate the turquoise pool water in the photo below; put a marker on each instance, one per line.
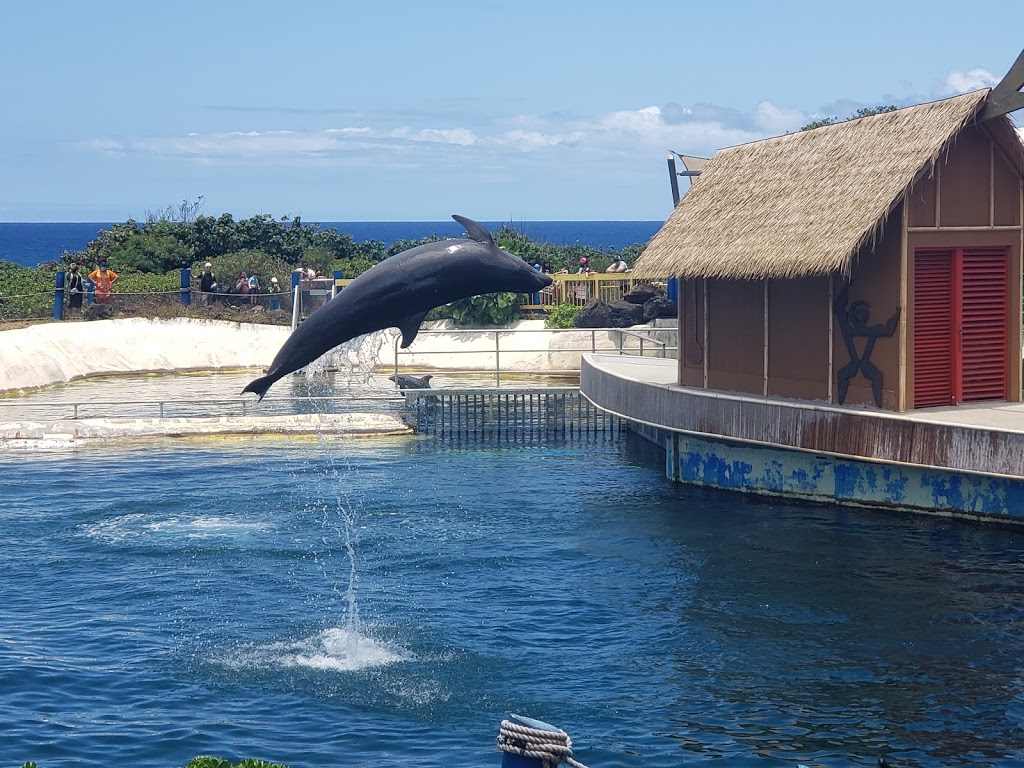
(386, 602)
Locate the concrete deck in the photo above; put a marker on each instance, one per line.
(986, 438)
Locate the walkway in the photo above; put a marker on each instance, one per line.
(985, 438)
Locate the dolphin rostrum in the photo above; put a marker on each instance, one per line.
(399, 291)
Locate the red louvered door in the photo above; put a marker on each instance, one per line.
(933, 328)
(983, 323)
(960, 325)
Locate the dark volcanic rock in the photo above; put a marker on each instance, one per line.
(659, 306)
(642, 293)
(617, 314)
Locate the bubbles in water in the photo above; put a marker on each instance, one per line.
(335, 650)
(190, 528)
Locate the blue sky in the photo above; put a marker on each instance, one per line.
(387, 111)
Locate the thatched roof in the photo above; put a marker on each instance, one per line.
(805, 203)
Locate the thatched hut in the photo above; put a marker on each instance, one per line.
(873, 262)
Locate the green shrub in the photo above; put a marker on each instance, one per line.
(562, 316)
(229, 266)
(488, 309)
(27, 292)
(353, 267)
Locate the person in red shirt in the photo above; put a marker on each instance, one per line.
(103, 279)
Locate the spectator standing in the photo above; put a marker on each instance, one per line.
(75, 288)
(619, 265)
(242, 286)
(103, 279)
(274, 299)
(207, 284)
(254, 287)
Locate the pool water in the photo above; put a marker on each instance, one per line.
(387, 601)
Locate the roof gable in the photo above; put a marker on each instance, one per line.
(805, 203)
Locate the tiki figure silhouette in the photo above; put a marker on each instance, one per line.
(853, 324)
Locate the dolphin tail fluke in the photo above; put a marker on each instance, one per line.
(261, 385)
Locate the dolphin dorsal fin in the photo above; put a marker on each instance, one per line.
(475, 231)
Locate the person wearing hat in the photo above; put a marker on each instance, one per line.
(75, 287)
(618, 265)
(207, 284)
(103, 279)
(582, 290)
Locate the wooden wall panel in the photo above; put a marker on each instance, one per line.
(965, 186)
(735, 335)
(798, 338)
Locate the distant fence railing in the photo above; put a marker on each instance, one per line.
(307, 295)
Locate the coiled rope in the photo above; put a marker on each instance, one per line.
(551, 747)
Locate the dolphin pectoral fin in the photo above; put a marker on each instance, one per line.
(475, 231)
(409, 327)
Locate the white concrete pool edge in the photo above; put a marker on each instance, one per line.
(57, 353)
(50, 434)
(45, 354)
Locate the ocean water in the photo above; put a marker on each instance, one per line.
(386, 602)
(30, 244)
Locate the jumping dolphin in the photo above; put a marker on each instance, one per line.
(399, 291)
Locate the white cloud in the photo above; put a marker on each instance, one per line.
(459, 136)
(775, 121)
(971, 80)
(532, 140)
(630, 133)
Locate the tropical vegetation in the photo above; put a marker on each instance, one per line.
(149, 256)
(862, 112)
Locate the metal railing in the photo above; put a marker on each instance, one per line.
(343, 402)
(523, 415)
(511, 415)
(511, 360)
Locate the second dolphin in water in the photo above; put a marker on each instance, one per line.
(399, 291)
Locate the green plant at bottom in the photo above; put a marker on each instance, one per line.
(562, 316)
(205, 761)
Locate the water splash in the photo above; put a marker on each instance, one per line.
(355, 360)
(337, 649)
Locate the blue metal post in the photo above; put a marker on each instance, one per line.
(296, 297)
(673, 289)
(336, 289)
(508, 760)
(58, 297)
(186, 287)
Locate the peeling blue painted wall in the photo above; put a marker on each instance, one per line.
(795, 474)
